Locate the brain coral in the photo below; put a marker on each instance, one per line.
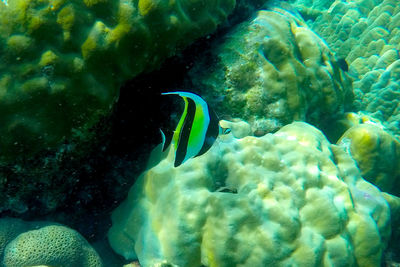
(284, 199)
(271, 71)
(34, 244)
(367, 34)
(62, 62)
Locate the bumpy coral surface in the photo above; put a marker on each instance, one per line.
(62, 62)
(271, 71)
(38, 243)
(377, 154)
(284, 199)
(367, 34)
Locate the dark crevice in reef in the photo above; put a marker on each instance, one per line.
(139, 114)
(92, 185)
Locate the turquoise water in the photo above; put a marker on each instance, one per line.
(305, 170)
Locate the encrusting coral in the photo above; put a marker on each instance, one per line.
(284, 199)
(42, 243)
(62, 62)
(271, 71)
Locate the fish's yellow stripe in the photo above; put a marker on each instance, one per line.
(177, 132)
(198, 131)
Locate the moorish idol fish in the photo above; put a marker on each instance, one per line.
(197, 130)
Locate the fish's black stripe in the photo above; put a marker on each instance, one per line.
(168, 139)
(212, 132)
(185, 132)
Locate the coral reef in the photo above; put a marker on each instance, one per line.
(289, 198)
(62, 62)
(284, 199)
(366, 33)
(271, 71)
(41, 243)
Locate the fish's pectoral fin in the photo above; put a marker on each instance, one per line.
(162, 140)
(160, 152)
(165, 141)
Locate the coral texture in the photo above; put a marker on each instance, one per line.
(284, 199)
(39, 243)
(272, 71)
(62, 62)
(377, 154)
(367, 34)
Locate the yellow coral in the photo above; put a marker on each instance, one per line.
(90, 3)
(377, 154)
(66, 18)
(48, 58)
(148, 6)
(19, 43)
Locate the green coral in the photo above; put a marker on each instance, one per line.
(273, 70)
(39, 243)
(284, 199)
(366, 33)
(62, 62)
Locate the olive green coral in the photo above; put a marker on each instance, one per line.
(62, 62)
(271, 71)
(40, 243)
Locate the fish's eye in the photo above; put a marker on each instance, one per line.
(226, 130)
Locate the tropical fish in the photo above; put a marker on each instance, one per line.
(197, 130)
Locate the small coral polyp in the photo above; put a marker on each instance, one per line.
(62, 62)
(284, 199)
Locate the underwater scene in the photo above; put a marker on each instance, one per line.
(199, 133)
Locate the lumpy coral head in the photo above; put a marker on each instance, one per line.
(377, 154)
(62, 62)
(284, 199)
(272, 71)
